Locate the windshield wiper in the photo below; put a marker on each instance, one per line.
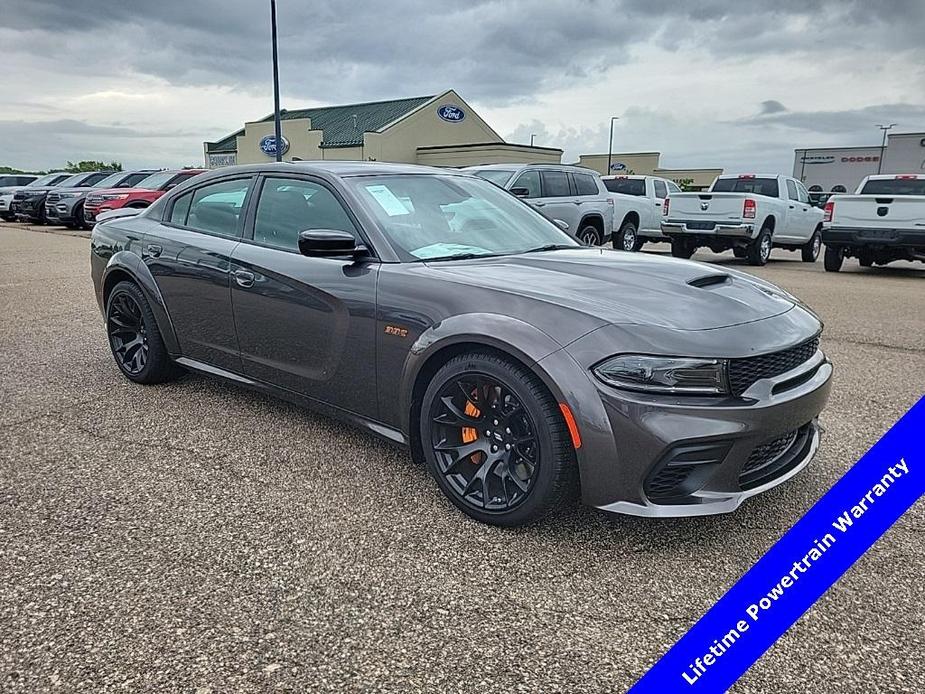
(550, 247)
(459, 256)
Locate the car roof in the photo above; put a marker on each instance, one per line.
(521, 165)
(335, 168)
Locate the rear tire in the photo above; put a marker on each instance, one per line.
(811, 249)
(590, 236)
(833, 259)
(480, 410)
(134, 338)
(628, 238)
(81, 219)
(759, 250)
(682, 249)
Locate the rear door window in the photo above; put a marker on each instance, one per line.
(661, 190)
(217, 208)
(555, 184)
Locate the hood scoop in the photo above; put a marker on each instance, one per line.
(711, 280)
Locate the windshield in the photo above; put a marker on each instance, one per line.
(758, 186)
(156, 181)
(45, 180)
(111, 181)
(627, 186)
(446, 216)
(894, 186)
(497, 176)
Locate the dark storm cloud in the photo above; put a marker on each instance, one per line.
(501, 52)
(772, 106)
(907, 117)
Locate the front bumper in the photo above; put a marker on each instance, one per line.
(29, 209)
(871, 238)
(62, 210)
(710, 230)
(6, 203)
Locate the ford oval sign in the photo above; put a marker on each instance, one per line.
(451, 113)
(268, 145)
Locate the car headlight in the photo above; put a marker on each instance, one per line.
(115, 196)
(69, 195)
(664, 374)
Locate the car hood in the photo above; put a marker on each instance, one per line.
(130, 191)
(628, 288)
(36, 190)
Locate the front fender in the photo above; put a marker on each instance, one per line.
(511, 335)
(126, 262)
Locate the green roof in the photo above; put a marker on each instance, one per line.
(337, 122)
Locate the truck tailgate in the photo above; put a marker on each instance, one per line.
(712, 206)
(879, 212)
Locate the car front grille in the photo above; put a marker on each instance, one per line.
(53, 197)
(744, 372)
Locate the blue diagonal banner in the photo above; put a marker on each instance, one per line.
(799, 568)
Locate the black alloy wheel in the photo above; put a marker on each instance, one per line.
(495, 441)
(127, 334)
(134, 338)
(590, 236)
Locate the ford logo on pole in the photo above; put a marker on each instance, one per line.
(450, 113)
(268, 145)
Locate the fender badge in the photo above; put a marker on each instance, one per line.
(395, 330)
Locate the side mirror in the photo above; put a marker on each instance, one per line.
(563, 225)
(329, 243)
(520, 192)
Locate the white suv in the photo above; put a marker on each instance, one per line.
(572, 195)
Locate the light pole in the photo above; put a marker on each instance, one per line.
(276, 124)
(532, 136)
(885, 129)
(610, 145)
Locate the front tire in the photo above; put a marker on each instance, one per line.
(134, 338)
(759, 250)
(628, 238)
(811, 249)
(833, 259)
(495, 441)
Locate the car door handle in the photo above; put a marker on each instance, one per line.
(153, 250)
(792, 207)
(538, 204)
(244, 278)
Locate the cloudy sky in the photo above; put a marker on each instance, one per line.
(706, 82)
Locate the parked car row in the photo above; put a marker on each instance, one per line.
(76, 200)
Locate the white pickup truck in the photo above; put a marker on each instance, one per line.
(749, 213)
(637, 209)
(882, 222)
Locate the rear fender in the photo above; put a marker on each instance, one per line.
(127, 263)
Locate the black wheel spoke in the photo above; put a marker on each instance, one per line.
(127, 333)
(484, 441)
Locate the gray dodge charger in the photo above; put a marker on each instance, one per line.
(442, 313)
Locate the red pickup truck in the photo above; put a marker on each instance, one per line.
(146, 191)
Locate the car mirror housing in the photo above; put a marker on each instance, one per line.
(329, 243)
(520, 192)
(562, 224)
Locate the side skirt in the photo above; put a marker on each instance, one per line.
(378, 429)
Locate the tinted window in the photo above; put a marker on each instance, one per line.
(110, 181)
(791, 190)
(217, 208)
(555, 184)
(94, 178)
(180, 178)
(290, 205)
(181, 209)
(661, 190)
(894, 186)
(529, 180)
(585, 184)
(627, 186)
(156, 180)
(496, 176)
(132, 180)
(758, 186)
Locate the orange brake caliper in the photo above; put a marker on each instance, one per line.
(469, 434)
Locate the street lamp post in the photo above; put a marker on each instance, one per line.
(885, 129)
(610, 145)
(532, 136)
(277, 126)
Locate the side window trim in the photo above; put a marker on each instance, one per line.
(248, 196)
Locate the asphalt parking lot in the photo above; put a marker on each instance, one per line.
(199, 537)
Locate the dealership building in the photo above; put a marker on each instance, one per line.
(647, 164)
(841, 169)
(441, 130)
